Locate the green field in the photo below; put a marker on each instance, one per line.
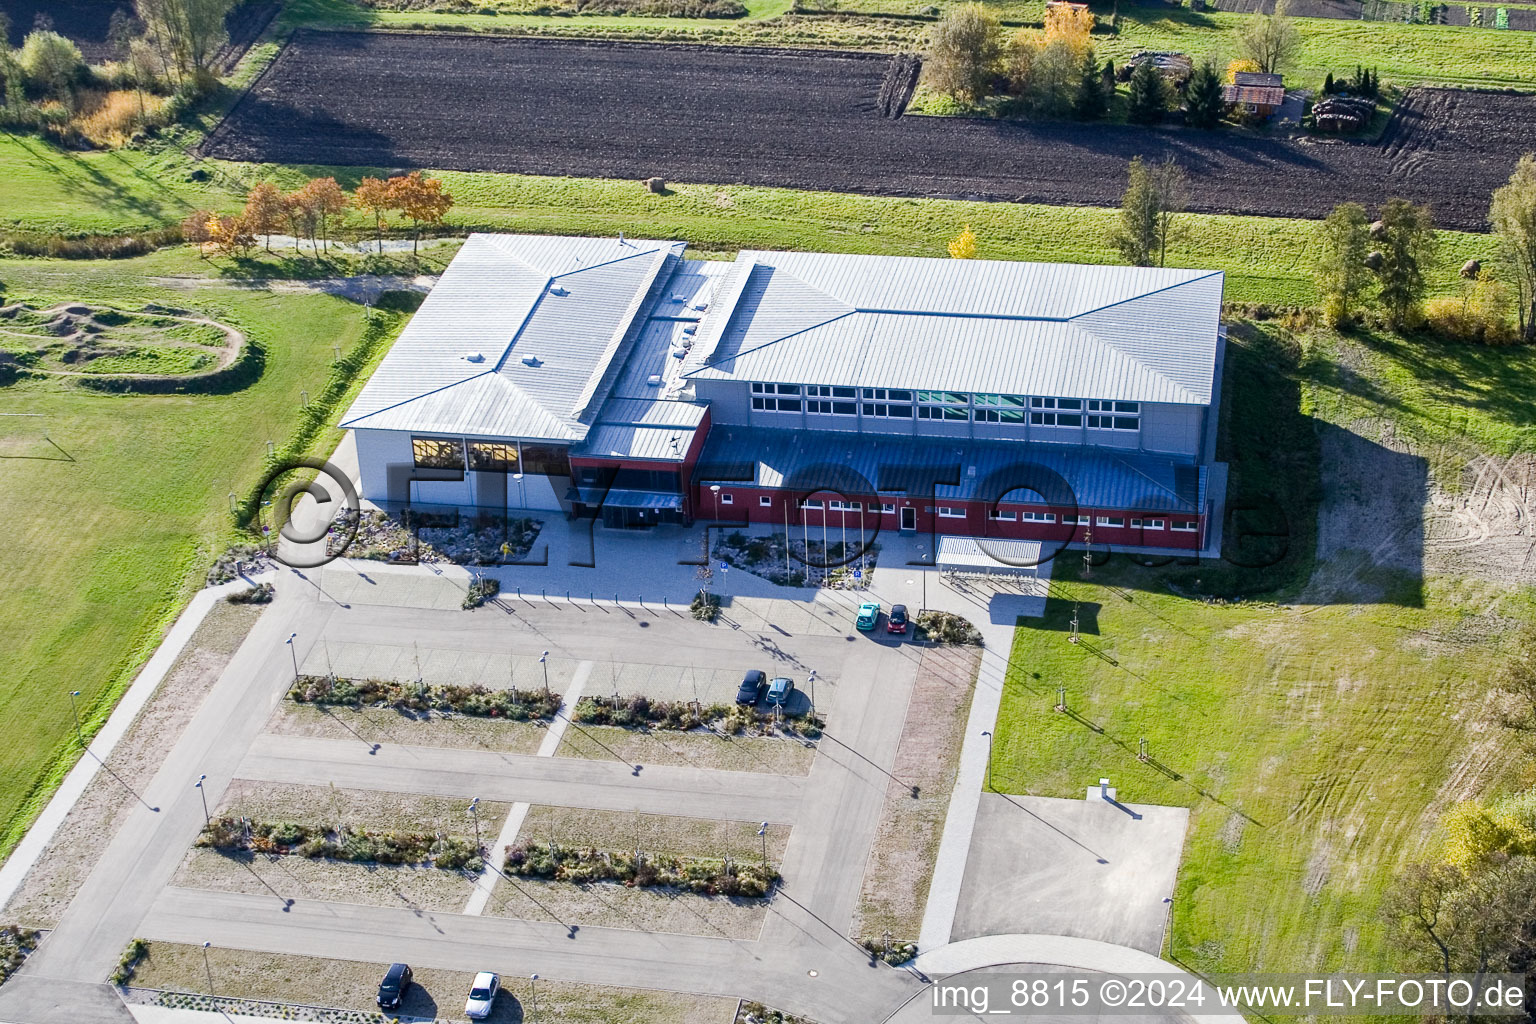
(1404, 54)
(1266, 259)
(115, 517)
(1316, 740)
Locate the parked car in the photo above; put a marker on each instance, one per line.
(869, 614)
(897, 621)
(396, 983)
(482, 995)
(780, 689)
(751, 689)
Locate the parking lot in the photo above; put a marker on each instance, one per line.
(823, 804)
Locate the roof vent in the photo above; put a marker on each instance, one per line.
(474, 357)
(532, 361)
(679, 298)
(654, 380)
(690, 328)
(555, 289)
(678, 353)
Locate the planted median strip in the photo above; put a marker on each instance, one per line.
(641, 712)
(471, 699)
(340, 842)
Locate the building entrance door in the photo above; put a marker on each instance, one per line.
(908, 517)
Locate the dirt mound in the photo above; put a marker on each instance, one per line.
(899, 84)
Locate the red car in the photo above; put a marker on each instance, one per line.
(896, 622)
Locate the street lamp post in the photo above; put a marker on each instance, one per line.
(75, 707)
(208, 967)
(762, 834)
(198, 785)
(522, 502)
(988, 735)
(544, 660)
(533, 998)
(474, 812)
(293, 652)
(811, 680)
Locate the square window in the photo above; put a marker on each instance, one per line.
(764, 500)
(726, 499)
(888, 510)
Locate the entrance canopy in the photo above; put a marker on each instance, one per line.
(989, 556)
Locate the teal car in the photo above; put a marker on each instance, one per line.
(869, 614)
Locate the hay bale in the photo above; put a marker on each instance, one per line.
(656, 185)
(1378, 228)
(1373, 259)
(1471, 269)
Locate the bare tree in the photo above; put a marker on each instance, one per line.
(1270, 41)
(185, 33)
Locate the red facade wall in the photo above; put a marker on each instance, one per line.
(742, 504)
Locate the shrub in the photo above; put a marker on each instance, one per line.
(705, 606)
(948, 628)
(261, 593)
(1456, 320)
(92, 247)
(129, 961)
(479, 592)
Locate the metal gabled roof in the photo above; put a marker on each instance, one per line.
(1074, 331)
(571, 305)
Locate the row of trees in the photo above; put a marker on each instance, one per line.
(315, 209)
(1389, 257)
(1386, 261)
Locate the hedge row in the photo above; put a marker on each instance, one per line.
(346, 842)
(582, 864)
(641, 712)
(481, 701)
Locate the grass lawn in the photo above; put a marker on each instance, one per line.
(1316, 741)
(1266, 259)
(107, 544)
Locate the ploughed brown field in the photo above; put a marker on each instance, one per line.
(813, 120)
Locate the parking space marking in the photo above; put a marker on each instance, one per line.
(515, 815)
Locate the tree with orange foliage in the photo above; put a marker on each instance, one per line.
(1240, 64)
(323, 199)
(265, 211)
(421, 199)
(194, 228)
(303, 217)
(1070, 24)
(375, 196)
(232, 236)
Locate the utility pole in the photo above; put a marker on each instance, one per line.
(198, 785)
(79, 734)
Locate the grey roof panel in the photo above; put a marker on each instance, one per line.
(1129, 333)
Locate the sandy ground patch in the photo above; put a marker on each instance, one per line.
(349, 984)
(653, 833)
(386, 725)
(610, 905)
(778, 755)
(299, 878)
(90, 825)
(901, 861)
(275, 801)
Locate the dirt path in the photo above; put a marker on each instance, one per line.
(359, 288)
(234, 340)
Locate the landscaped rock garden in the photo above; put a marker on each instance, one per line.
(473, 699)
(342, 842)
(805, 564)
(641, 712)
(413, 537)
(586, 864)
